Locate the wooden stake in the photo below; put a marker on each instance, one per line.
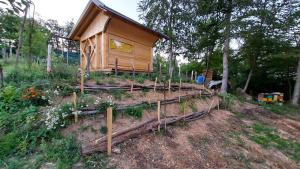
(82, 81)
(75, 106)
(155, 84)
(179, 72)
(109, 130)
(169, 85)
(192, 75)
(131, 89)
(180, 84)
(159, 70)
(158, 115)
(210, 106)
(184, 105)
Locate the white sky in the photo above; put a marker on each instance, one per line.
(66, 10)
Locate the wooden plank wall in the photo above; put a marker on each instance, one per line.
(104, 58)
(142, 41)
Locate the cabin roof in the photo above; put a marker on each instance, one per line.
(105, 8)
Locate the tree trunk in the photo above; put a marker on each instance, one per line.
(296, 95)
(226, 52)
(49, 65)
(30, 40)
(248, 80)
(171, 59)
(21, 31)
(1, 77)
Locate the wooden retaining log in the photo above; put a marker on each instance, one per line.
(151, 125)
(93, 111)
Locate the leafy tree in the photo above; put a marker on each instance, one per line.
(166, 16)
(39, 41)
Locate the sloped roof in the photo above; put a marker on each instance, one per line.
(102, 6)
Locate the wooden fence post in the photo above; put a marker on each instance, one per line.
(169, 85)
(49, 65)
(82, 81)
(192, 75)
(159, 70)
(109, 130)
(158, 115)
(155, 84)
(75, 106)
(131, 88)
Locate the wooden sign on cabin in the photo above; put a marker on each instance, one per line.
(109, 39)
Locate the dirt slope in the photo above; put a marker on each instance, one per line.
(219, 140)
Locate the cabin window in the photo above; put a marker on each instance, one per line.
(120, 46)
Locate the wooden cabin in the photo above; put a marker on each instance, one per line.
(110, 40)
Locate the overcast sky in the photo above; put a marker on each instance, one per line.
(65, 10)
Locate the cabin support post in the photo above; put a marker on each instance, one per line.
(116, 67)
(82, 80)
(88, 65)
(148, 70)
(133, 70)
(109, 130)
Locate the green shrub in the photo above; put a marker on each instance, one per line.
(102, 107)
(8, 144)
(137, 111)
(140, 79)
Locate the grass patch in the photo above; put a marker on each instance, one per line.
(95, 161)
(120, 94)
(286, 109)
(240, 115)
(137, 111)
(268, 137)
(64, 152)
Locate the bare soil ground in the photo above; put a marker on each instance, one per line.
(219, 140)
